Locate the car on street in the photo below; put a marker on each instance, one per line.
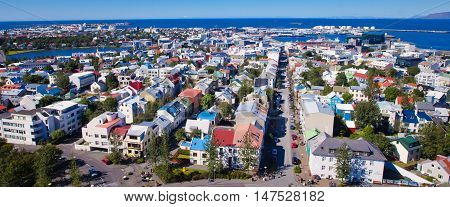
(274, 152)
(277, 140)
(294, 145)
(292, 127)
(106, 161)
(295, 161)
(294, 137)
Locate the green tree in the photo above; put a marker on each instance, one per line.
(48, 69)
(57, 136)
(63, 82)
(347, 97)
(153, 151)
(353, 82)
(48, 100)
(413, 70)
(327, 90)
(45, 163)
(75, 175)
(16, 167)
(244, 90)
(210, 69)
(115, 156)
(225, 109)
(180, 134)
(207, 101)
(196, 133)
(341, 80)
(435, 141)
(111, 81)
(383, 143)
(110, 104)
(248, 152)
(367, 113)
(343, 163)
(214, 163)
(418, 95)
(391, 93)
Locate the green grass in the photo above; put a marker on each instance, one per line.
(15, 52)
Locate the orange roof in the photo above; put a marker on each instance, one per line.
(190, 92)
(255, 134)
(445, 162)
(2, 107)
(109, 123)
(122, 130)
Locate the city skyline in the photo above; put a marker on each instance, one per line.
(48, 10)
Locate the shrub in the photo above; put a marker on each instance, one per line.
(297, 169)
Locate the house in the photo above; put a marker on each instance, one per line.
(68, 115)
(412, 122)
(203, 125)
(435, 97)
(407, 149)
(367, 162)
(206, 85)
(136, 140)
(228, 152)
(82, 80)
(174, 112)
(441, 114)
(226, 95)
(197, 147)
(97, 132)
(381, 65)
(99, 86)
(345, 111)
(426, 78)
(438, 168)
(13, 95)
(358, 93)
(211, 116)
(391, 112)
(131, 107)
(194, 95)
(315, 115)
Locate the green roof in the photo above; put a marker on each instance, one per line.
(311, 134)
(409, 142)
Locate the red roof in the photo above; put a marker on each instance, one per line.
(137, 85)
(224, 136)
(190, 93)
(360, 75)
(2, 107)
(122, 130)
(445, 162)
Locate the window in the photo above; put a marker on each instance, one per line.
(440, 176)
(331, 159)
(371, 163)
(194, 154)
(323, 167)
(330, 168)
(363, 162)
(324, 158)
(370, 172)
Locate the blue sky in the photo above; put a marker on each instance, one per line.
(16, 10)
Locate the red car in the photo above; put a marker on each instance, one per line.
(294, 137)
(106, 161)
(294, 145)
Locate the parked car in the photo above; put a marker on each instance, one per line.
(93, 172)
(295, 161)
(294, 137)
(274, 152)
(294, 145)
(292, 127)
(106, 161)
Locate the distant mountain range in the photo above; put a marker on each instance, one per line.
(442, 15)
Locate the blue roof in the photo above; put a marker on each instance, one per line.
(299, 87)
(199, 144)
(185, 144)
(409, 116)
(423, 115)
(207, 115)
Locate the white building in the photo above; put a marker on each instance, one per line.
(367, 163)
(81, 80)
(426, 78)
(28, 127)
(439, 168)
(136, 141)
(407, 149)
(96, 132)
(131, 107)
(67, 115)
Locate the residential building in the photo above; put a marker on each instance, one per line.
(438, 168)
(407, 149)
(68, 115)
(82, 80)
(97, 132)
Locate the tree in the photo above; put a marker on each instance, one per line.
(210, 69)
(111, 81)
(244, 90)
(353, 82)
(214, 163)
(383, 143)
(153, 151)
(347, 97)
(341, 80)
(46, 160)
(115, 156)
(196, 133)
(327, 90)
(343, 163)
(48, 69)
(248, 152)
(63, 82)
(180, 134)
(57, 136)
(35, 79)
(413, 70)
(435, 141)
(48, 100)
(391, 93)
(226, 109)
(207, 101)
(110, 104)
(16, 167)
(418, 95)
(270, 93)
(75, 177)
(367, 113)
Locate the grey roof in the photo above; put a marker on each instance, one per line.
(424, 106)
(2, 57)
(361, 149)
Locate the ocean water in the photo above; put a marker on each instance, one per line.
(421, 39)
(63, 52)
